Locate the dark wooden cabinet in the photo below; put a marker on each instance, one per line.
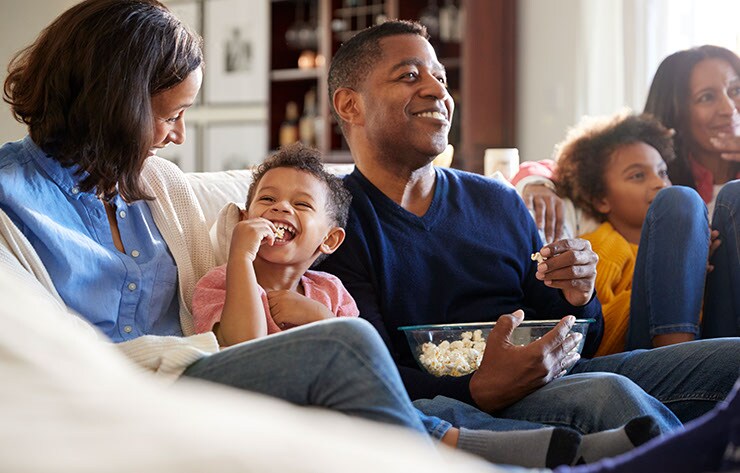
(480, 62)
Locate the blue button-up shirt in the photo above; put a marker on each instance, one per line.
(125, 295)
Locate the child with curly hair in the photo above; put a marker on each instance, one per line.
(654, 239)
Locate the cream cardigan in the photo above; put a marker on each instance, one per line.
(180, 220)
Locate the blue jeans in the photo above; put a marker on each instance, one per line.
(722, 295)
(670, 270)
(689, 378)
(439, 414)
(672, 384)
(340, 364)
(585, 402)
(668, 286)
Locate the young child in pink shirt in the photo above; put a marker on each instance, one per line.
(295, 214)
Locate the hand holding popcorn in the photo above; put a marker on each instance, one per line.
(249, 235)
(570, 267)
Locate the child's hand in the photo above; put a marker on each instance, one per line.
(249, 235)
(288, 309)
(714, 243)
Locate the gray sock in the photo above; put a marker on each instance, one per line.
(610, 443)
(541, 448)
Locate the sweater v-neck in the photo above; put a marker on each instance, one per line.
(379, 199)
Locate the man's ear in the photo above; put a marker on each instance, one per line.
(348, 105)
(602, 205)
(333, 239)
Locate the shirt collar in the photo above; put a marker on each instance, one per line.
(67, 178)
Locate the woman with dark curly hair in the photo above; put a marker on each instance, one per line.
(616, 171)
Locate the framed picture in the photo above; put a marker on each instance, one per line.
(186, 154)
(237, 41)
(238, 145)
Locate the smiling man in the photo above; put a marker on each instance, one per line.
(432, 245)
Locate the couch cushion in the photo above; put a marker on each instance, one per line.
(216, 189)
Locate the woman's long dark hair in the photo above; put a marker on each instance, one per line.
(668, 101)
(84, 87)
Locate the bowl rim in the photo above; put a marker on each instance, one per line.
(468, 325)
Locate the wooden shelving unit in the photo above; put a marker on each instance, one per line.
(468, 62)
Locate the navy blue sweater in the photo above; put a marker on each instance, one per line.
(466, 260)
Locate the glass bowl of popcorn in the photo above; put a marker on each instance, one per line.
(457, 349)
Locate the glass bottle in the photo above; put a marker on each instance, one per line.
(289, 128)
(307, 123)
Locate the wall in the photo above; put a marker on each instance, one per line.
(20, 23)
(547, 70)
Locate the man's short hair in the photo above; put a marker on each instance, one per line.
(356, 57)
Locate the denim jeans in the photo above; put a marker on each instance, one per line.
(670, 270)
(440, 413)
(585, 402)
(672, 384)
(689, 378)
(340, 364)
(722, 294)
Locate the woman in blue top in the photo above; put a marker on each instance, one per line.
(117, 232)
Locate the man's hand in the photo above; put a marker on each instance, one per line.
(548, 210)
(288, 309)
(509, 372)
(728, 144)
(570, 267)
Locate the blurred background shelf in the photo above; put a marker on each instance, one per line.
(309, 32)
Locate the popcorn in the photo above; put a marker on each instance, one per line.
(279, 232)
(457, 358)
(537, 257)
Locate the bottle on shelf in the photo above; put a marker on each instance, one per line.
(307, 122)
(289, 128)
(449, 22)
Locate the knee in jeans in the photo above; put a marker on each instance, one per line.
(679, 204)
(729, 195)
(357, 333)
(606, 385)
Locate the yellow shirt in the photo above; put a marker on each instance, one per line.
(614, 273)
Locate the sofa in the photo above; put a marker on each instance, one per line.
(71, 402)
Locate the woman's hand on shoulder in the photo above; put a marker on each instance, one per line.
(547, 209)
